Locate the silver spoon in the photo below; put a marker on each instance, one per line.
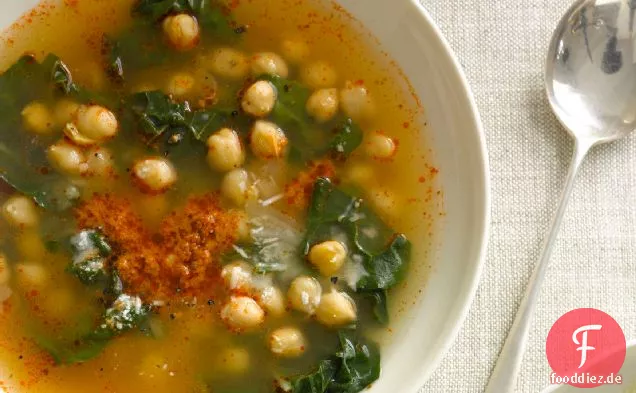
(591, 86)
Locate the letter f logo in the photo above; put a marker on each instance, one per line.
(584, 348)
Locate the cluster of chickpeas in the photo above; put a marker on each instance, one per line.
(249, 303)
(267, 140)
(87, 127)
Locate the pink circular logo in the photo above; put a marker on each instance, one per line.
(586, 348)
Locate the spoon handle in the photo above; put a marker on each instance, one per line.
(503, 378)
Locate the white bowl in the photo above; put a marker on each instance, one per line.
(410, 37)
(628, 374)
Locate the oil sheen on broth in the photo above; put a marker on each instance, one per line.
(202, 195)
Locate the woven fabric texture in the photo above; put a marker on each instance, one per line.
(502, 45)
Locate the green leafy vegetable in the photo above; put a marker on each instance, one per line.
(126, 313)
(156, 113)
(354, 367)
(384, 262)
(380, 306)
(317, 381)
(348, 138)
(90, 252)
(309, 141)
(159, 116)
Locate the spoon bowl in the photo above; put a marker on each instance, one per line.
(591, 70)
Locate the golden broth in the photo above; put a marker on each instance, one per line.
(193, 345)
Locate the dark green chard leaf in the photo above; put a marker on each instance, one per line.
(136, 49)
(309, 141)
(360, 365)
(380, 306)
(204, 123)
(90, 253)
(354, 367)
(158, 116)
(126, 313)
(317, 381)
(384, 265)
(156, 113)
(348, 138)
(387, 269)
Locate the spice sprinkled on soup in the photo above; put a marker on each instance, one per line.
(204, 196)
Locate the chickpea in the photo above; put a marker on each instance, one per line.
(96, 123)
(37, 118)
(273, 301)
(323, 104)
(267, 140)
(182, 31)
(356, 102)
(100, 162)
(304, 294)
(235, 360)
(229, 63)
(67, 158)
(295, 51)
(236, 186)
(74, 135)
(288, 342)
(180, 85)
(242, 313)
(237, 275)
(65, 111)
(154, 175)
(268, 63)
(336, 309)
(328, 257)
(319, 75)
(30, 275)
(5, 270)
(20, 211)
(259, 99)
(225, 151)
(380, 146)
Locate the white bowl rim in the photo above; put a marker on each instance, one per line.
(471, 290)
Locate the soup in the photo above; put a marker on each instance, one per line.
(205, 198)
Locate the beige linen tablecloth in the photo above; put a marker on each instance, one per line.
(501, 45)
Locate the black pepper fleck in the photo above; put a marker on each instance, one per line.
(334, 280)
